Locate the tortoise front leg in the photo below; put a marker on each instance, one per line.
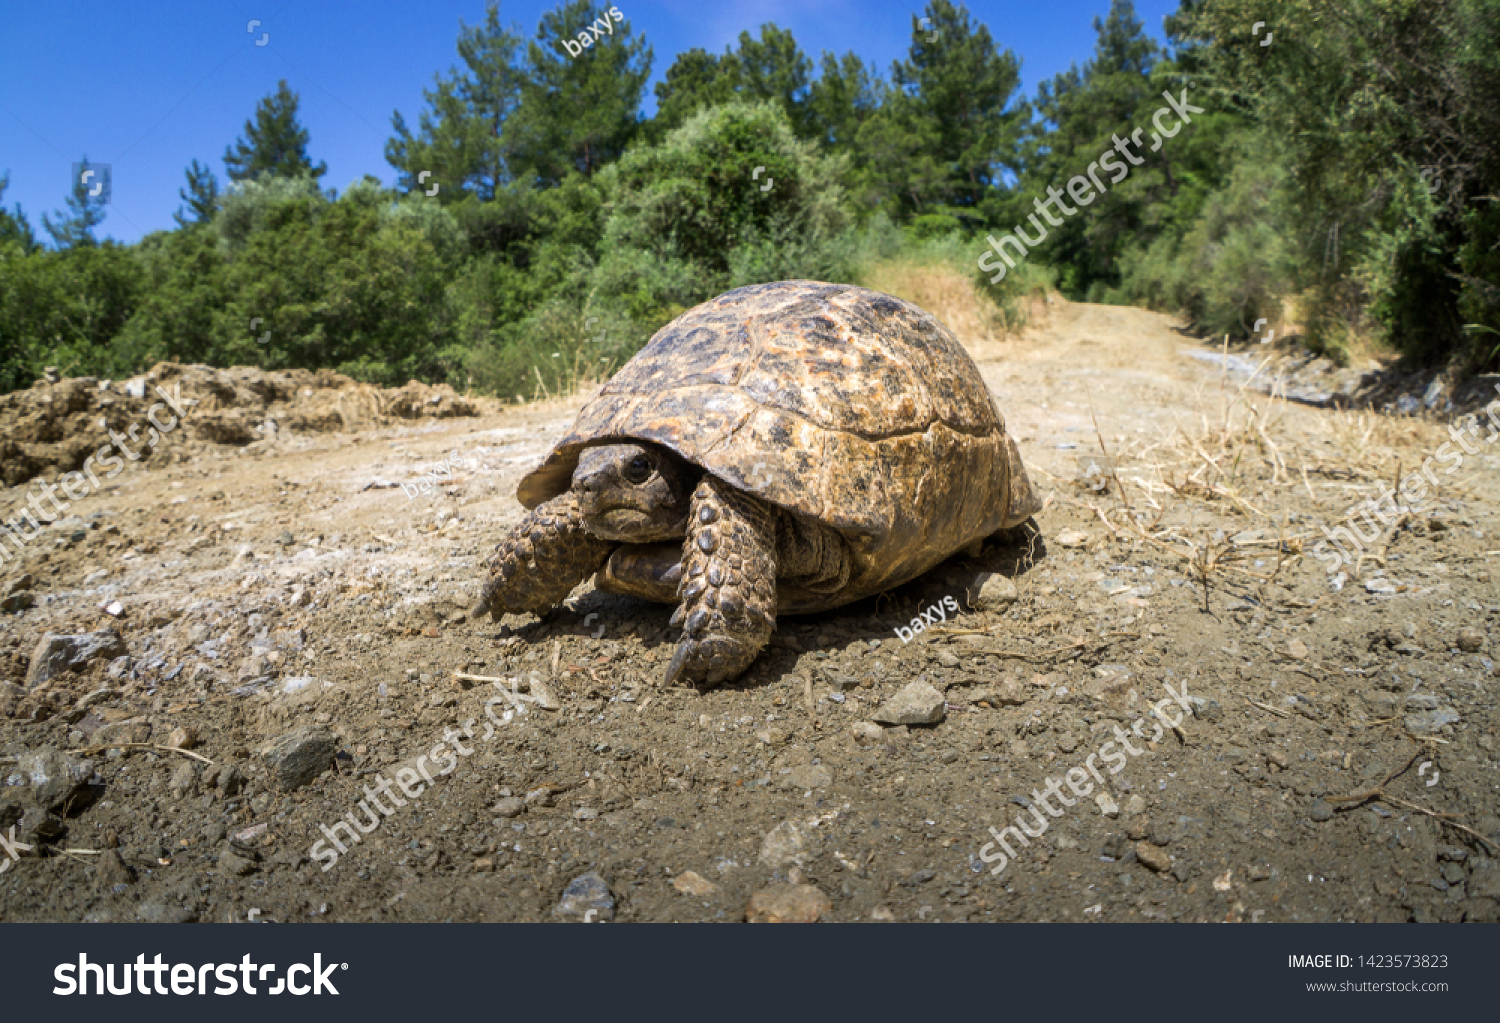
(728, 588)
(541, 561)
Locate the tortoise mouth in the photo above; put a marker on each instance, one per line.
(634, 525)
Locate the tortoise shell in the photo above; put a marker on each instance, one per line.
(842, 405)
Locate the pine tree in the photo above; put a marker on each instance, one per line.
(274, 142)
(460, 136)
(774, 68)
(770, 68)
(1081, 112)
(946, 126)
(578, 110)
(962, 86)
(201, 196)
(14, 227)
(696, 79)
(75, 229)
(841, 99)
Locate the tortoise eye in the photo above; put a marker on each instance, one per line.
(638, 469)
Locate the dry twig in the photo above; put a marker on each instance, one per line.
(1379, 792)
(90, 751)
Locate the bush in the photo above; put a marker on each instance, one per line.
(64, 308)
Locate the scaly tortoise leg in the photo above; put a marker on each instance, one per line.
(538, 565)
(728, 588)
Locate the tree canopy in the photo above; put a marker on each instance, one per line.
(541, 226)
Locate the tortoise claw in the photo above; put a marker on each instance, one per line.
(679, 662)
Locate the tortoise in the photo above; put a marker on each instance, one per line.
(784, 448)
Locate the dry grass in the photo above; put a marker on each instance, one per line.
(580, 377)
(1247, 455)
(947, 294)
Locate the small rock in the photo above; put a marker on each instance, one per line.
(916, 704)
(1432, 721)
(11, 696)
(299, 756)
(1296, 649)
(510, 806)
(184, 779)
(122, 732)
(1153, 857)
(257, 666)
(810, 776)
(230, 781)
(584, 813)
(182, 737)
(866, 732)
(995, 592)
(545, 698)
(787, 904)
(783, 844)
(1107, 804)
(586, 898)
(1071, 538)
(774, 736)
(1380, 585)
(38, 827)
(97, 696)
(20, 601)
(1320, 810)
(1007, 694)
(160, 913)
(1470, 640)
(1134, 805)
(247, 836)
(692, 883)
(53, 780)
(1484, 879)
(235, 861)
(55, 653)
(110, 869)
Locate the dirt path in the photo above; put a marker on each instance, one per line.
(296, 585)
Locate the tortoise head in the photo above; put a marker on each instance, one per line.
(635, 493)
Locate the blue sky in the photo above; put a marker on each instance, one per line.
(148, 87)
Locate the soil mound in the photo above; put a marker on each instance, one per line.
(53, 426)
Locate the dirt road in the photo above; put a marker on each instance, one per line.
(291, 601)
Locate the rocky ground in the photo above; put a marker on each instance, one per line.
(257, 629)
